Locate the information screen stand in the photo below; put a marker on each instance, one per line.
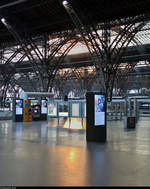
(95, 117)
(43, 110)
(17, 110)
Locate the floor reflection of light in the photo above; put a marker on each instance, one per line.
(5, 129)
(74, 123)
(71, 163)
(72, 156)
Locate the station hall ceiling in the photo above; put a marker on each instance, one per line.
(36, 17)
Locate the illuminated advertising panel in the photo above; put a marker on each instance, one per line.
(99, 110)
(44, 106)
(52, 109)
(19, 107)
(75, 109)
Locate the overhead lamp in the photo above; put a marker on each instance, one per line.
(3, 20)
(65, 3)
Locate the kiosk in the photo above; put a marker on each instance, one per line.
(44, 110)
(95, 117)
(17, 110)
(36, 112)
(27, 116)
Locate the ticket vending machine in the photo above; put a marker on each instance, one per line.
(36, 112)
(27, 111)
(17, 110)
(96, 117)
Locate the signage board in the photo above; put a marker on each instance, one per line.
(52, 109)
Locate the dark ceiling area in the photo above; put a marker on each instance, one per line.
(33, 32)
(49, 16)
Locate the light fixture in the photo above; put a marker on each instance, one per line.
(3, 20)
(65, 3)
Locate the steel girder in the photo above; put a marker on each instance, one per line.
(42, 69)
(105, 54)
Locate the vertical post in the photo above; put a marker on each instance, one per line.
(126, 107)
(135, 107)
(137, 111)
(116, 113)
(129, 107)
(121, 108)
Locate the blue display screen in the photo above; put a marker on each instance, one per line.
(44, 106)
(99, 110)
(19, 107)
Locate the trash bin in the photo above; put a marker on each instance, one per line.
(130, 122)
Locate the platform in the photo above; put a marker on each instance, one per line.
(54, 154)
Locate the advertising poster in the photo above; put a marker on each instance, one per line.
(44, 106)
(99, 102)
(19, 107)
(52, 109)
(75, 109)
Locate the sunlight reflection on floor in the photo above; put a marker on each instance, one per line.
(75, 123)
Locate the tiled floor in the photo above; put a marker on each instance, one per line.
(55, 153)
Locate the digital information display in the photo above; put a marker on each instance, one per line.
(99, 110)
(44, 106)
(19, 107)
